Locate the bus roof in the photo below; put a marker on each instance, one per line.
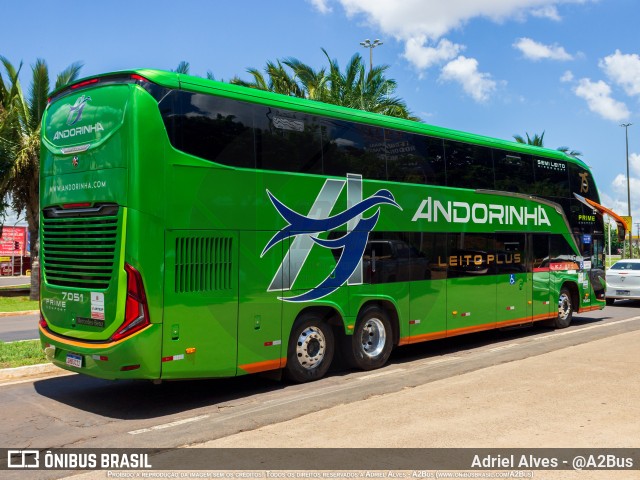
(199, 84)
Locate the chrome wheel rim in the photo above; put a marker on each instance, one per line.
(373, 338)
(564, 306)
(311, 347)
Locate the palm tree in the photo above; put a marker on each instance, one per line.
(568, 151)
(355, 88)
(538, 141)
(20, 142)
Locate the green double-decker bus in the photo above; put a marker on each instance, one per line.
(192, 228)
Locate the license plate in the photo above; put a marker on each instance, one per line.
(74, 360)
(623, 292)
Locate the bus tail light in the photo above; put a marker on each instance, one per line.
(136, 313)
(43, 322)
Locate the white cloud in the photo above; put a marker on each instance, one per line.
(624, 70)
(321, 5)
(548, 11)
(634, 163)
(434, 18)
(538, 51)
(424, 57)
(599, 100)
(464, 71)
(567, 77)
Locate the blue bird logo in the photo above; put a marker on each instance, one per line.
(352, 245)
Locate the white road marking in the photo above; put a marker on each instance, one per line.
(381, 374)
(168, 425)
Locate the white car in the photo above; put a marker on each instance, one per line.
(623, 281)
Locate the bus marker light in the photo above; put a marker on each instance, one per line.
(414, 322)
(275, 342)
(101, 358)
(128, 368)
(511, 308)
(530, 302)
(173, 357)
(84, 84)
(466, 314)
(545, 303)
(351, 327)
(455, 312)
(190, 350)
(76, 205)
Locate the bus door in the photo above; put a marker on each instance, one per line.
(541, 273)
(199, 335)
(514, 304)
(471, 282)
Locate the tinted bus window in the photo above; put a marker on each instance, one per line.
(471, 254)
(551, 178)
(287, 141)
(514, 172)
(429, 254)
(214, 128)
(349, 147)
(582, 182)
(413, 158)
(468, 166)
(387, 258)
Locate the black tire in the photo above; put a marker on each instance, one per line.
(565, 309)
(610, 301)
(372, 341)
(310, 350)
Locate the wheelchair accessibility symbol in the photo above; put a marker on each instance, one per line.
(512, 279)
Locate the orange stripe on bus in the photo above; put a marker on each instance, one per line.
(476, 328)
(263, 366)
(76, 343)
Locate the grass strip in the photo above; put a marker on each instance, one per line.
(20, 354)
(17, 303)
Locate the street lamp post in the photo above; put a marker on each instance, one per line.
(626, 136)
(368, 44)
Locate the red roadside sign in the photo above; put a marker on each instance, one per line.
(13, 241)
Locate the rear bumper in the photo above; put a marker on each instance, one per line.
(134, 357)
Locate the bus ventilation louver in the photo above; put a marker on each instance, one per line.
(203, 264)
(79, 250)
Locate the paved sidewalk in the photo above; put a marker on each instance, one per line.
(582, 396)
(22, 312)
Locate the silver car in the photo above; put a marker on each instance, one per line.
(623, 281)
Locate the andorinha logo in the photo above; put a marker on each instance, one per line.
(74, 116)
(432, 210)
(305, 230)
(74, 132)
(75, 110)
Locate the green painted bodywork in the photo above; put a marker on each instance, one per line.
(172, 204)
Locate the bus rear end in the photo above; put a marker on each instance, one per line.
(95, 289)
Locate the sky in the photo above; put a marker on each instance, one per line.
(568, 68)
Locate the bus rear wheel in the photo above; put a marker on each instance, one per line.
(372, 341)
(565, 309)
(310, 350)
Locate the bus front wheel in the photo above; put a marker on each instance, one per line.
(310, 351)
(565, 309)
(370, 345)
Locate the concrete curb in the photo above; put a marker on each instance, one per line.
(16, 314)
(18, 373)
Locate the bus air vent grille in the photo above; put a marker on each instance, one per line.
(203, 264)
(79, 252)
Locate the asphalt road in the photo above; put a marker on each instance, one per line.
(18, 327)
(84, 412)
(6, 281)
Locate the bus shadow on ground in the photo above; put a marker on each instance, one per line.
(139, 399)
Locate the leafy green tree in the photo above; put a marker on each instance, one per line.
(20, 141)
(354, 87)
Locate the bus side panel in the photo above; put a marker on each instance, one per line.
(260, 343)
(428, 319)
(201, 304)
